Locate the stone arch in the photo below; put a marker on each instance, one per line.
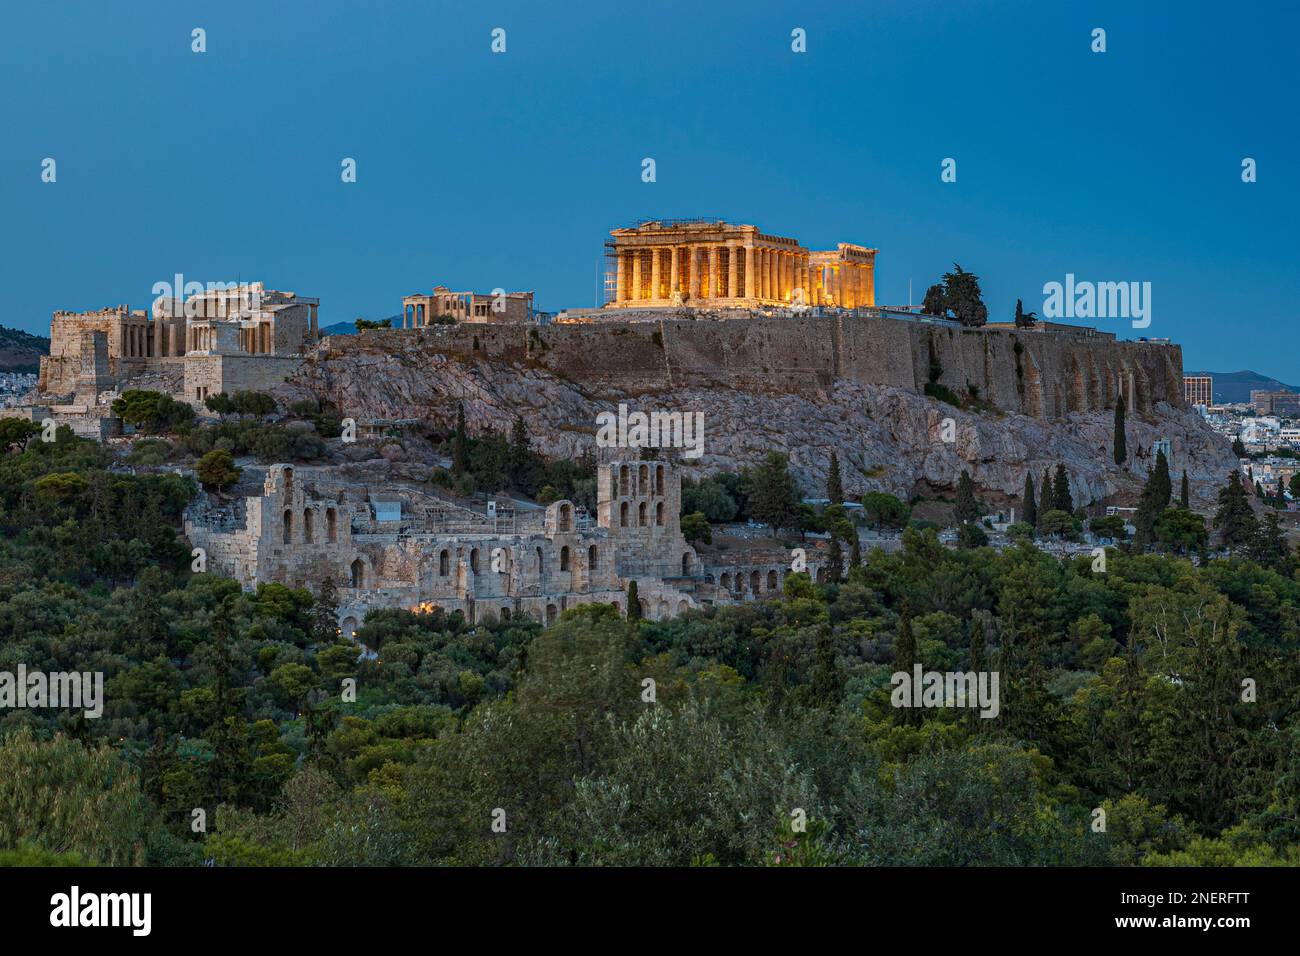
(348, 627)
(505, 613)
(288, 526)
(593, 558)
(642, 479)
(622, 515)
(565, 517)
(771, 580)
(754, 581)
(357, 569)
(473, 560)
(725, 581)
(564, 558)
(331, 524)
(444, 563)
(642, 515)
(541, 561)
(551, 614)
(683, 606)
(623, 481)
(659, 479)
(688, 564)
(308, 525)
(659, 513)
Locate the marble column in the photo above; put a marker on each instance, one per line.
(620, 293)
(733, 274)
(693, 257)
(674, 272)
(636, 274)
(714, 274)
(656, 271)
(751, 284)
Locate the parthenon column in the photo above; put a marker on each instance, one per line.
(621, 288)
(751, 283)
(693, 257)
(656, 271)
(674, 272)
(871, 285)
(636, 274)
(733, 274)
(764, 274)
(714, 275)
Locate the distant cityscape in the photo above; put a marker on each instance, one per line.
(1267, 428)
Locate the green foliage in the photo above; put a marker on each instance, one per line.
(943, 393)
(217, 469)
(152, 411)
(696, 528)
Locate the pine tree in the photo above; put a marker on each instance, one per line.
(1184, 499)
(834, 485)
(1062, 500)
(459, 447)
(633, 603)
(1234, 519)
(966, 509)
(1121, 442)
(1030, 507)
(772, 493)
(1269, 548)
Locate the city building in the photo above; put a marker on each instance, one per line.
(1275, 403)
(1198, 390)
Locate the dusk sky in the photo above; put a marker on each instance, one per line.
(477, 170)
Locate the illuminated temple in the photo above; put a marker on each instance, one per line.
(714, 264)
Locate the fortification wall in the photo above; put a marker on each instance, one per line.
(1038, 373)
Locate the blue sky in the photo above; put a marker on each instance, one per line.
(480, 170)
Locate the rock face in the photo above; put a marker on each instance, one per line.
(888, 438)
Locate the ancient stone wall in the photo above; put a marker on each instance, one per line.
(1045, 374)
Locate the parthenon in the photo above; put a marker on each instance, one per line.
(716, 264)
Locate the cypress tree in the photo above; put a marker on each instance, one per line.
(633, 603)
(966, 509)
(834, 560)
(1030, 516)
(1044, 496)
(1121, 443)
(1164, 487)
(1184, 500)
(834, 485)
(459, 448)
(1062, 500)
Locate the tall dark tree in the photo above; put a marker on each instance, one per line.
(935, 302)
(966, 509)
(1163, 486)
(1030, 507)
(773, 497)
(325, 613)
(834, 560)
(834, 484)
(1238, 448)
(964, 299)
(1184, 498)
(1023, 319)
(1121, 441)
(1062, 500)
(460, 444)
(1234, 519)
(1045, 497)
(1269, 548)
(633, 602)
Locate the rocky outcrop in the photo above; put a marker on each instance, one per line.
(887, 437)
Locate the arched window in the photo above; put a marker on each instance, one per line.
(288, 526)
(659, 513)
(659, 479)
(566, 518)
(622, 515)
(358, 573)
(726, 582)
(308, 525)
(593, 557)
(564, 558)
(331, 524)
(541, 562)
(505, 614)
(473, 560)
(771, 580)
(753, 581)
(444, 563)
(688, 564)
(551, 614)
(641, 515)
(643, 480)
(622, 481)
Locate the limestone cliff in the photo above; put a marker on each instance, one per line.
(888, 437)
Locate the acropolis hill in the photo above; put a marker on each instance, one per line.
(781, 347)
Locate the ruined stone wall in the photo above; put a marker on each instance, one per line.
(1042, 374)
(236, 373)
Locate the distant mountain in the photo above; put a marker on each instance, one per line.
(21, 351)
(1236, 386)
